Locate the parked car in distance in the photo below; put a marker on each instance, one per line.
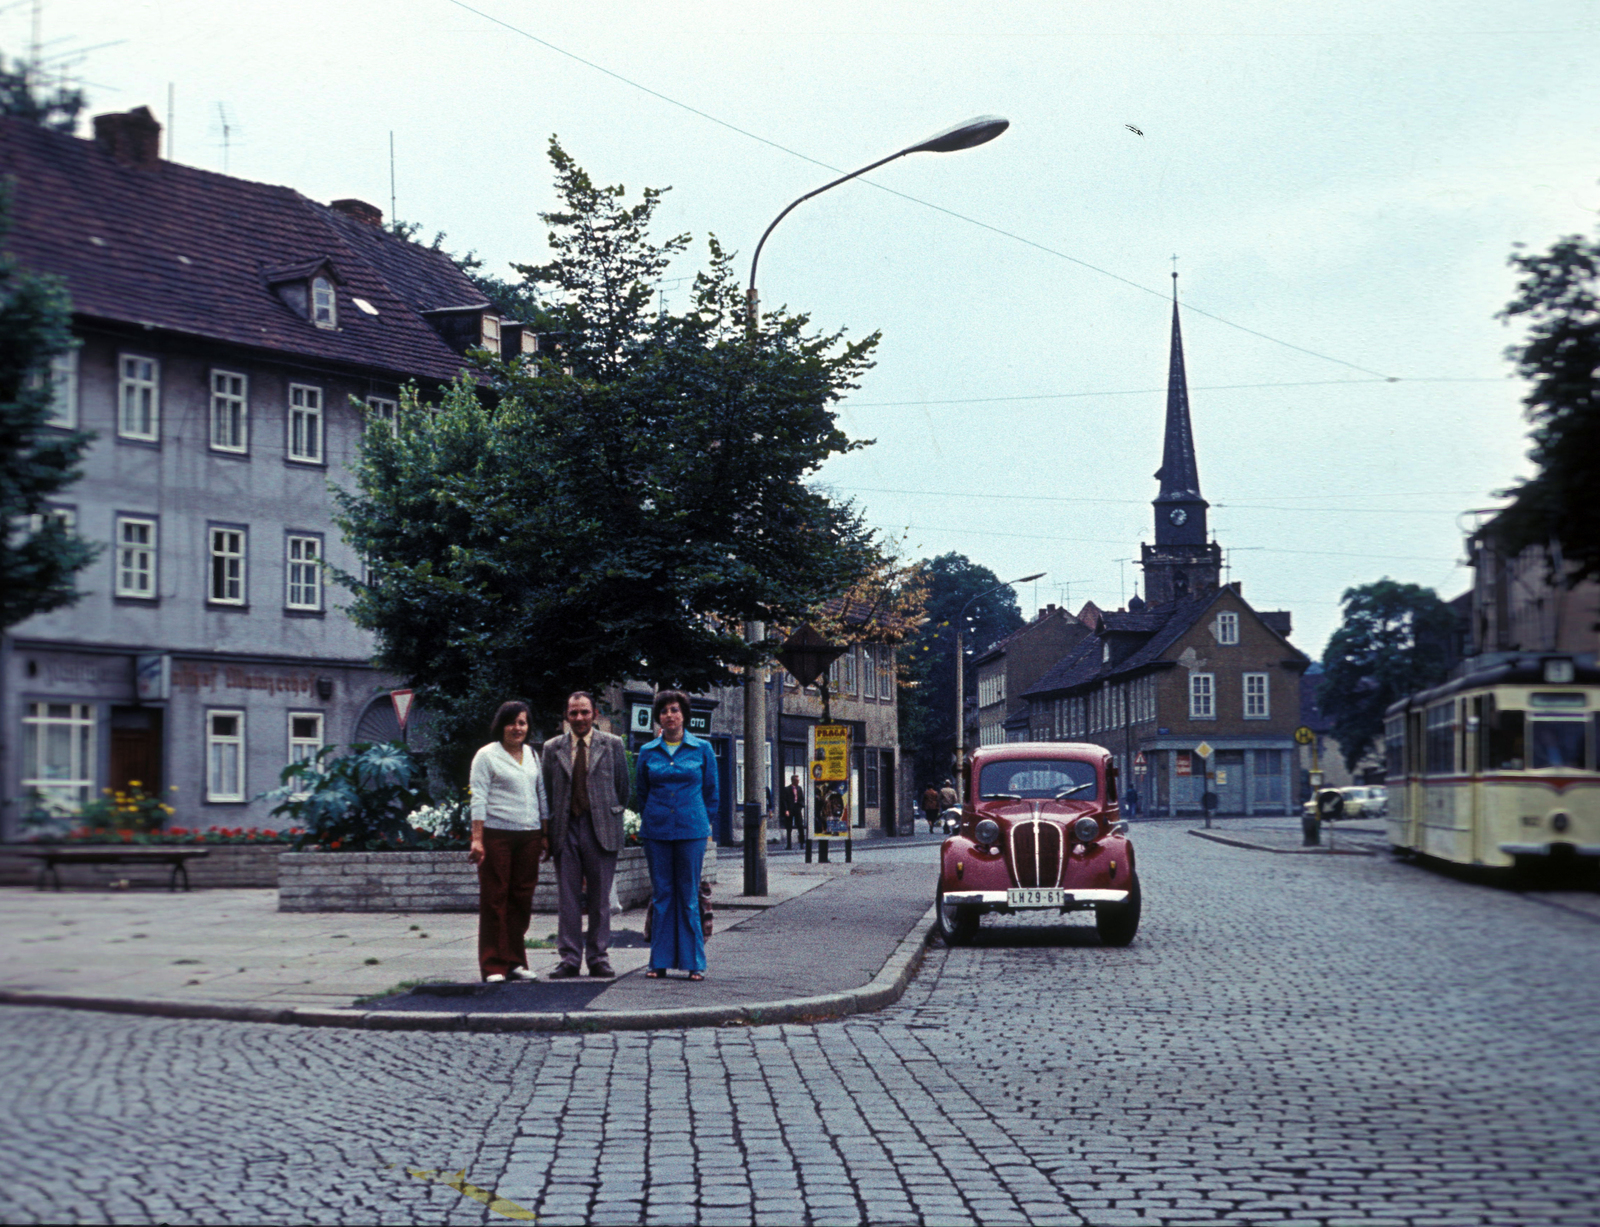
(1040, 832)
(1360, 801)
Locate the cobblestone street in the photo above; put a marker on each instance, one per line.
(1290, 1040)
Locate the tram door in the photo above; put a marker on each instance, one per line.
(1413, 778)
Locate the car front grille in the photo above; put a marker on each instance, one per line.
(1036, 853)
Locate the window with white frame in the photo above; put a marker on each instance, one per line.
(138, 397)
(382, 410)
(225, 756)
(886, 672)
(738, 759)
(305, 422)
(136, 557)
(324, 304)
(304, 572)
(227, 566)
(1255, 696)
(852, 684)
(64, 391)
(1227, 627)
(305, 735)
(58, 751)
(230, 411)
(1202, 696)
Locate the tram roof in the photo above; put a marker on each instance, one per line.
(1526, 669)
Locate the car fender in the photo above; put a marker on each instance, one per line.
(963, 863)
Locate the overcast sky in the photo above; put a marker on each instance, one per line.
(1341, 185)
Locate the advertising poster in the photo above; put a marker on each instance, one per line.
(830, 772)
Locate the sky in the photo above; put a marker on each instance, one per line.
(1341, 186)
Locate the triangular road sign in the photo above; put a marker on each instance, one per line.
(402, 706)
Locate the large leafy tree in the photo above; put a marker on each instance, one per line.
(1559, 297)
(616, 510)
(1395, 639)
(928, 697)
(40, 555)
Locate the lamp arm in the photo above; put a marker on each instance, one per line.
(755, 259)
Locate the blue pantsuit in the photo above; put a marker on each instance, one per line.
(676, 938)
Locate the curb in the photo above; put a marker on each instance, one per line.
(882, 990)
(1244, 843)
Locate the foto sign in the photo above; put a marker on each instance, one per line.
(153, 677)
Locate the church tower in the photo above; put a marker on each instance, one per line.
(1182, 562)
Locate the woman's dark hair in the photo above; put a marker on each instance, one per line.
(663, 697)
(509, 711)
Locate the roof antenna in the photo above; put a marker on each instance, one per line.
(226, 126)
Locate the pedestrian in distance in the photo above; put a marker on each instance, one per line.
(586, 780)
(1130, 802)
(947, 795)
(508, 842)
(930, 806)
(677, 792)
(793, 812)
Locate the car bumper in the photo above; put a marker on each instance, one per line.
(991, 900)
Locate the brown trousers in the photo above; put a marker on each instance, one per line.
(506, 881)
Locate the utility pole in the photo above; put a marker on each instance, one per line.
(755, 706)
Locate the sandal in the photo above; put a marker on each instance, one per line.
(697, 975)
(656, 973)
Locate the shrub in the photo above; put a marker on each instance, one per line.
(358, 802)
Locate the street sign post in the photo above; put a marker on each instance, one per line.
(1208, 799)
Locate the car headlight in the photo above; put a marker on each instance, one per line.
(1085, 829)
(987, 832)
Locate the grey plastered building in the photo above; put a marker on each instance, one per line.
(235, 340)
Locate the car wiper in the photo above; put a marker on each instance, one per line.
(1067, 792)
(1001, 796)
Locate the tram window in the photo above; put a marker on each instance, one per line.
(1441, 747)
(1503, 747)
(1557, 743)
(1394, 745)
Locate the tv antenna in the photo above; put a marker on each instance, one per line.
(226, 127)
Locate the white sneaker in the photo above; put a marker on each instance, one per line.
(519, 973)
(497, 978)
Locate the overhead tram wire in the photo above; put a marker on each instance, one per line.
(1216, 387)
(989, 496)
(928, 204)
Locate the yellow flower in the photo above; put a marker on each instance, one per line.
(135, 783)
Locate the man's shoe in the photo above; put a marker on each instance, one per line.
(565, 972)
(602, 970)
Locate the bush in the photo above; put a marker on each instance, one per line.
(134, 810)
(358, 802)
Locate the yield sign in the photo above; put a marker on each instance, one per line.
(402, 706)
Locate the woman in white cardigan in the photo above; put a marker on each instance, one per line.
(508, 842)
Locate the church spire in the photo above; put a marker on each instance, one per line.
(1179, 475)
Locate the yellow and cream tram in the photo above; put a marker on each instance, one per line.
(1500, 767)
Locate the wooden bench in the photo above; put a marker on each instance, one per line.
(110, 854)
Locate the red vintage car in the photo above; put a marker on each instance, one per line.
(1039, 832)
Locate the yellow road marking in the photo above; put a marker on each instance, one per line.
(458, 1182)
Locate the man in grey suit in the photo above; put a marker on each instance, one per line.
(586, 781)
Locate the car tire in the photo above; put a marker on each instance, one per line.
(1118, 922)
(958, 924)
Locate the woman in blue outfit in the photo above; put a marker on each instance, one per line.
(677, 791)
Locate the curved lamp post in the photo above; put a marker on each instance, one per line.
(962, 136)
(961, 682)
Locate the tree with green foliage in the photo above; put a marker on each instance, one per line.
(619, 511)
(1395, 639)
(928, 697)
(1559, 296)
(23, 95)
(40, 555)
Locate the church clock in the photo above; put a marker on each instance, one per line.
(1177, 515)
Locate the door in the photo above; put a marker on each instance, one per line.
(136, 750)
(1229, 781)
(722, 822)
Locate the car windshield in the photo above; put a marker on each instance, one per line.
(1032, 778)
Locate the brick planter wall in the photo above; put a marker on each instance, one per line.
(426, 881)
(225, 865)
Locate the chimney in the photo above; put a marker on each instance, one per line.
(370, 215)
(131, 137)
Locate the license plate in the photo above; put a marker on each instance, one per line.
(1036, 896)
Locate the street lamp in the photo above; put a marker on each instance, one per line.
(962, 136)
(961, 682)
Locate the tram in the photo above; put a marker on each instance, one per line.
(1500, 767)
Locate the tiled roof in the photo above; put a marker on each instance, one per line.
(172, 247)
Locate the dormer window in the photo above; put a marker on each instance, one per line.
(324, 307)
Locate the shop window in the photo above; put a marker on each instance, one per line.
(58, 751)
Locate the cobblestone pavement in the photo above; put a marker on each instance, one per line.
(1342, 1040)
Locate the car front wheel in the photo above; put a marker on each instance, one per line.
(958, 923)
(1118, 922)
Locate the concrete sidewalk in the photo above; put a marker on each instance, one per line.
(827, 940)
